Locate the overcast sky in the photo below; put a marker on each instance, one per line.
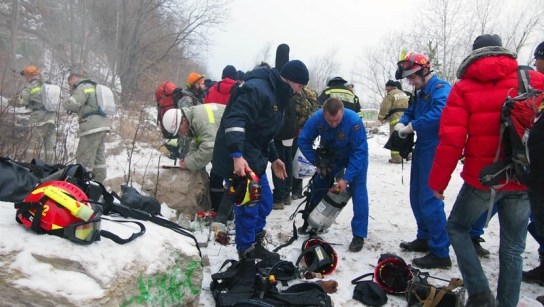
(311, 28)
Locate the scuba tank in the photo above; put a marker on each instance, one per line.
(326, 211)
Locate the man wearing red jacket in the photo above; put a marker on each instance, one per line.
(220, 91)
(470, 124)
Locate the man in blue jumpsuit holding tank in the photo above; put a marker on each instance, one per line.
(423, 117)
(245, 142)
(343, 138)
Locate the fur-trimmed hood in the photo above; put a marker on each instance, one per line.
(484, 52)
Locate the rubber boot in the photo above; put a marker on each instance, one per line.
(215, 198)
(480, 251)
(247, 255)
(225, 209)
(260, 250)
(536, 275)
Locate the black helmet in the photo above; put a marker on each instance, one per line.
(336, 80)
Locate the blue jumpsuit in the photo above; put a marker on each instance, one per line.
(348, 142)
(251, 120)
(428, 210)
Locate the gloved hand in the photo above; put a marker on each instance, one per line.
(398, 126)
(404, 131)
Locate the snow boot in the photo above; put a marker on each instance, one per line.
(260, 250)
(430, 261)
(536, 275)
(418, 245)
(484, 299)
(482, 252)
(247, 255)
(356, 244)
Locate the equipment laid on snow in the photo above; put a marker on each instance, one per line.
(326, 211)
(318, 256)
(245, 283)
(62, 209)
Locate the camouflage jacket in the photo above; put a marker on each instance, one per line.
(305, 103)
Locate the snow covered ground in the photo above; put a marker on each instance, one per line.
(391, 221)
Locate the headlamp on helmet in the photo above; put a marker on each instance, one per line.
(245, 191)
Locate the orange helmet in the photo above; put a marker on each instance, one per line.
(30, 70)
(412, 63)
(194, 78)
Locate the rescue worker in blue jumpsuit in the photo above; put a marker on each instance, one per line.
(245, 140)
(343, 134)
(423, 117)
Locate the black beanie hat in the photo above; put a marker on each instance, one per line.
(391, 83)
(487, 40)
(295, 71)
(539, 51)
(229, 72)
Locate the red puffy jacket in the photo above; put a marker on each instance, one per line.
(470, 122)
(220, 92)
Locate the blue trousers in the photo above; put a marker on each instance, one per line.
(251, 220)
(359, 223)
(513, 210)
(428, 210)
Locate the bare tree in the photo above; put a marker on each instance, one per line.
(321, 69)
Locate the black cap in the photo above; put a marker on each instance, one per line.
(295, 71)
(487, 40)
(539, 51)
(229, 72)
(391, 83)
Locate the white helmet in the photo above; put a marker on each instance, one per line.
(171, 121)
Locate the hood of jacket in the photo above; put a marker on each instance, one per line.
(282, 90)
(488, 64)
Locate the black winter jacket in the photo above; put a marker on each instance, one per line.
(252, 119)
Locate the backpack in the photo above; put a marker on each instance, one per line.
(50, 97)
(517, 118)
(104, 99)
(249, 284)
(165, 101)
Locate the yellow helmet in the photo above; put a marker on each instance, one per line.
(30, 70)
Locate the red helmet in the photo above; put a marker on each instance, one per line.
(62, 209)
(245, 191)
(392, 274)
(412, 63)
